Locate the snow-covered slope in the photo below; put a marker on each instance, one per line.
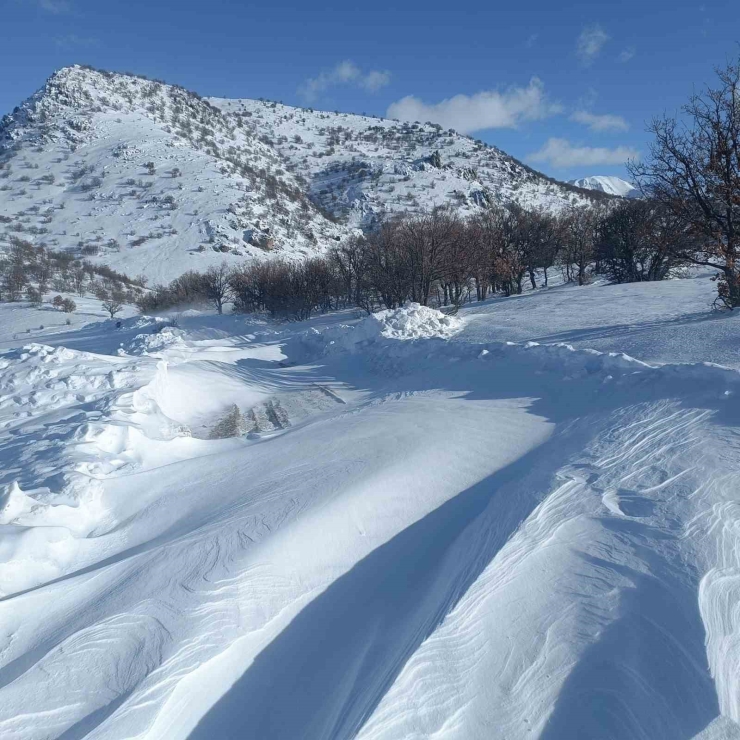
(362, 168)
(423, 531)
(148, 178)
(607, 184)
(155, 180)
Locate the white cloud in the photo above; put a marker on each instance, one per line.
(345, 73)
(375, 79)
(486, 109)
(561, 153)
(532, 40)
(73, 41)
(626, 54)
(590, 43)
(55, 7)
(604, 122)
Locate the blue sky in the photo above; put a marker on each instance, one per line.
(566, 87)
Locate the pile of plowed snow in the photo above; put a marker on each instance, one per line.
(414, 321)
(160, 338)
(409, 322)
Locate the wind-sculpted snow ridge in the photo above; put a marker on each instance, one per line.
(462, 540)
(69, 420)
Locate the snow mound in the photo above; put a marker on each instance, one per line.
(409, 322)
(414, 321)
(156, 342)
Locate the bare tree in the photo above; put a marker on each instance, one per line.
(426, 238)
(389, 270)
(553, 243)
(485, 237)
(14, 281)
(510, 247)
(216, 286)
(33, 296)
(694, 171)
(349, 261)
(457, 264)
(636, 242)
(78, 279)
(113, 303)
(581, 224)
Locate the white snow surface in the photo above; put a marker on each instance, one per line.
(411, 321)
(436, 526)
(607, 184)
(416, 322)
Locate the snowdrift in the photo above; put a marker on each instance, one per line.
(383, 329)
(451, 538)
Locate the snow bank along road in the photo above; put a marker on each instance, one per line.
(423, 535)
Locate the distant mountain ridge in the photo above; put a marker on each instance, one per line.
(608, 184)
(153, 179)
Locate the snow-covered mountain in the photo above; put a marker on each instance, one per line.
(153, 179)
(361, 168)
(148, 178)
(607, 184)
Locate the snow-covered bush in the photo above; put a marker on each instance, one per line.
(231, 425)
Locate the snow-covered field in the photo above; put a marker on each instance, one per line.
(432, 527)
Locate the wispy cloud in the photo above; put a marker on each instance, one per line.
(626, 54)
(374, 80)
(55, 7)
(562, 154)
(344, 73)
(590, 43)
(532, 40)
(484, 110)
(603, 122)
(73, 41)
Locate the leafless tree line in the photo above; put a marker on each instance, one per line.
(28, 271)
(440, 259)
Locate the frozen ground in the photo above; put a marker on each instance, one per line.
(20, 323)
(425, 531)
